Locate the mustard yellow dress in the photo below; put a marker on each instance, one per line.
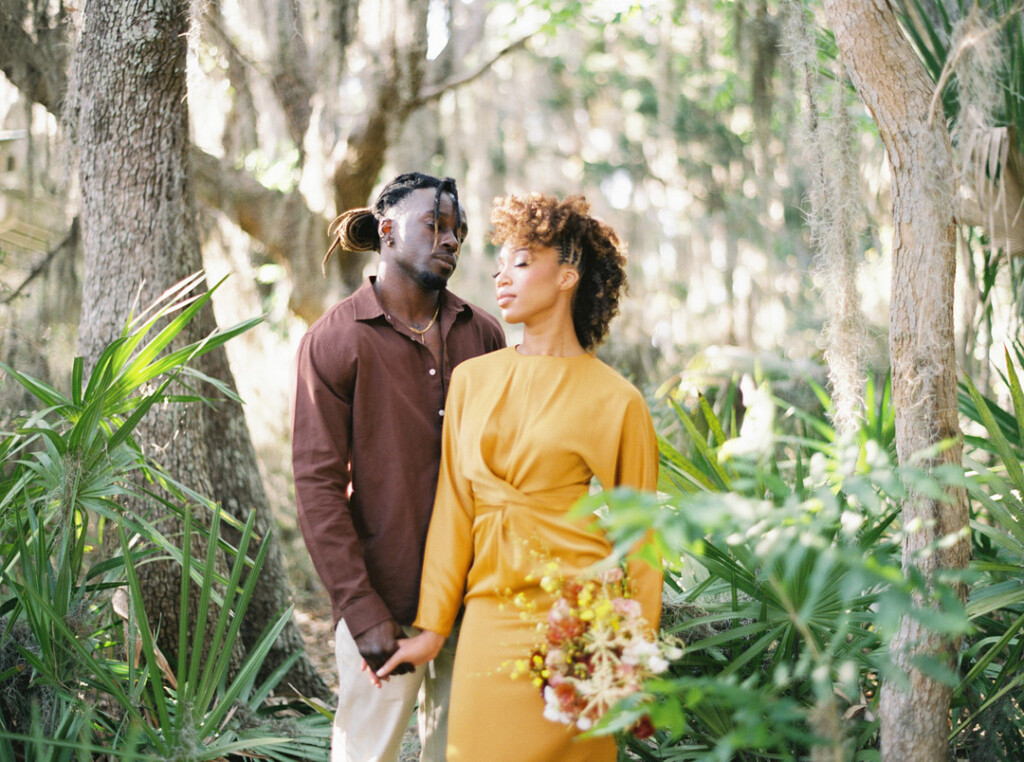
(523, 435)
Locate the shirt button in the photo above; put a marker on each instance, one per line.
(440, 413)
(432, 371)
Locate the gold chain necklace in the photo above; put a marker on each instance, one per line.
(419, 332)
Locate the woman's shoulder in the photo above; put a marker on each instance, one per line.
(482, 365)
(609, 379)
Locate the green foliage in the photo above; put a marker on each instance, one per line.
(786, 581)
(932, 25)
(989, 720)
(76, 680)
(974, 52)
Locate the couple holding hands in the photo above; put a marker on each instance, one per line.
(434, 467)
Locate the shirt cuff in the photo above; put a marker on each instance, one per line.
(362, 614)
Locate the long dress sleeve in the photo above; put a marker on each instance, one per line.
(637, 467)
(449, 550)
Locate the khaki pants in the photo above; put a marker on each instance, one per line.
(369, 722)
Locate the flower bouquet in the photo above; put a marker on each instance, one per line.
(596, 650)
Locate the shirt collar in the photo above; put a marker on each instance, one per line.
(367, 306)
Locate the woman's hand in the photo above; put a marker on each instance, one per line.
(416, 650)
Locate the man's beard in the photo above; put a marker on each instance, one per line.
(432, 281)
(424, 276)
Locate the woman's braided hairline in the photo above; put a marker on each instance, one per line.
(356, 229)
(583, 241)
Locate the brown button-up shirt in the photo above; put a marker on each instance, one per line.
(367, 411)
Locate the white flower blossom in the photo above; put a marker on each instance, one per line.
(552, 708)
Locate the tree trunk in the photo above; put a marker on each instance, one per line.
(893, 84)
(139, 227)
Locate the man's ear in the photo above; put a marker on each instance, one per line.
(568, 278)
(384, 228)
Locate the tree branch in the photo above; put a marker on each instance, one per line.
(69, 240)
(293, 235)
(37, 67)
(430, 94)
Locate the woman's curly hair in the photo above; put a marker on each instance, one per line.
(588, 244)
(356, 229)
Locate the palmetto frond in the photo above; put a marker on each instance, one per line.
(974, 52)
(992, 186)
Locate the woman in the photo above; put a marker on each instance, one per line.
(526, 428)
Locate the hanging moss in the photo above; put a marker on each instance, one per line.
(834, 220)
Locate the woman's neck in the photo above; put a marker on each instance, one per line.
(553, 339)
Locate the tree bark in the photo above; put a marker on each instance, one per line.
(35, 63)
(139, 227)
(895, 87)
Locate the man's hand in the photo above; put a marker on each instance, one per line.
(378, 643)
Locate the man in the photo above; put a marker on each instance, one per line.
(368, 407)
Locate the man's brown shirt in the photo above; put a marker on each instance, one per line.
(367, 411)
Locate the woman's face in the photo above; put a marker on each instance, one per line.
(530, 282)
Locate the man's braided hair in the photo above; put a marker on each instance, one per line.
(357, 229)
(586, 243)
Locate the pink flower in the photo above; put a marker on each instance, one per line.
(560, 609)
(613, 576)
(627, 607)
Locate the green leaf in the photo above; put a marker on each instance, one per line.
(1010, 461)
(1017, 395)
(717, 475)
(49, 396)
(156, 693)
(76, 381)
